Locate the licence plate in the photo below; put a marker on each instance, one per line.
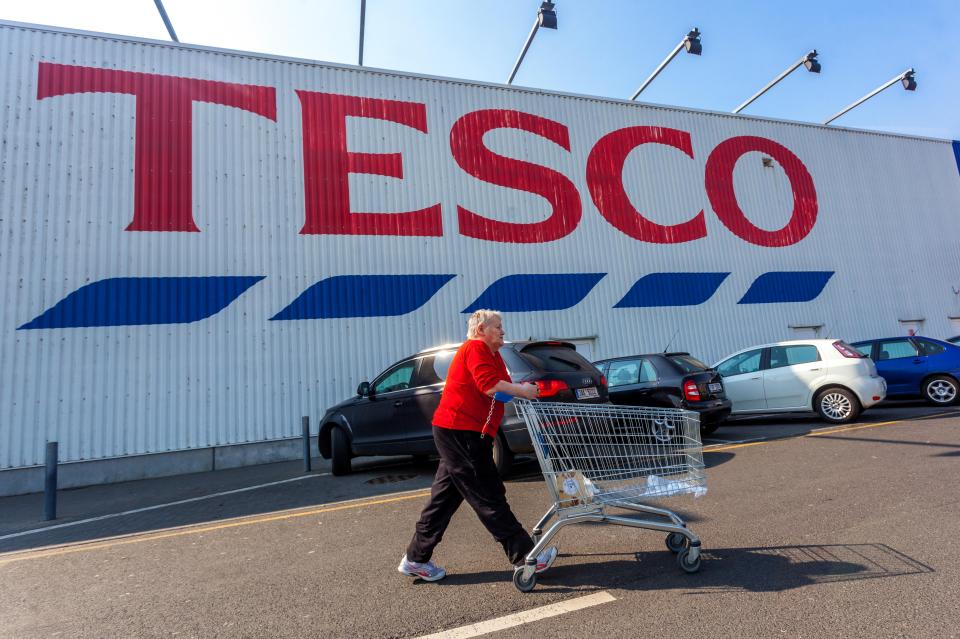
(714, 388)
(587, 393)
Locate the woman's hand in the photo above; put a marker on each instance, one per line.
(529, 391)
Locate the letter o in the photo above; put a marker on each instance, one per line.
(723, 199)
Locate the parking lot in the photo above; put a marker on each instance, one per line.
(808, 530)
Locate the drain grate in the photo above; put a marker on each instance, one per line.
(390, 479)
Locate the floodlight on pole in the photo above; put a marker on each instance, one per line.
(546, 18)
(690, 42)
(363, 15)
(809, 61)
(166, 20)
(906, 78)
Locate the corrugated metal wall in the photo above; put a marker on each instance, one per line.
(124, 332)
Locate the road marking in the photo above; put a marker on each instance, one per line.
(6, 558)
(520, 618)
(133, 538)
(828, 430)
(156, 507)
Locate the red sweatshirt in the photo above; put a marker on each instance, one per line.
(464, 404)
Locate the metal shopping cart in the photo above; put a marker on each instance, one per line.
(597, 458)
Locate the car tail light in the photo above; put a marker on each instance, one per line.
(603, 381)
(550, 387)
(690, 391)
(847, 351)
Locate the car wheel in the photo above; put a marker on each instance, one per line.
(837, 405)
(340, 452)
(502, 455)
(940, 390)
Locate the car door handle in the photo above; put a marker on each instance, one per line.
(754, 378)
(814, 369)
(399, 403)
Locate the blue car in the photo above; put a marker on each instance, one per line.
(916, 366)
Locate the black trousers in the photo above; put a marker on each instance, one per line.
(467, 472)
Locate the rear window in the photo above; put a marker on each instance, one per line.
(515, 364)
(688, 364)
(441, 366)
(863, 349)
(556, 359)
(929, 348)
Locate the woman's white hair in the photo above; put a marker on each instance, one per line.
(478, 319)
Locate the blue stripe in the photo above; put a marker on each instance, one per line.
(131, 301)
(363, 296)
(521, 293)
(956, 153)
(786, 286)
(672, 289)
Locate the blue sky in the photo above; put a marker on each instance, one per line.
(602, 47)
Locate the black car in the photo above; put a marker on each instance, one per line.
(392, 415)
(668, 380)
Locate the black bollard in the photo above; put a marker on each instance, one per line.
(50, 484)
(305, 422)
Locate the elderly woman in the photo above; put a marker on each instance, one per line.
(464, 425)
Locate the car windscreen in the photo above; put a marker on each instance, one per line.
(556, 359)
(687, 364)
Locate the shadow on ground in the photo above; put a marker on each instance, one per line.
(764, 569)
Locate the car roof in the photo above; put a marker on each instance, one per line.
(518, 343)
(789, 342)
(881, 339)
(623, 357)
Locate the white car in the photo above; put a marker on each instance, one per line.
(825, 376)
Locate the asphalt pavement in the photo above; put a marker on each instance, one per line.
(807, 531)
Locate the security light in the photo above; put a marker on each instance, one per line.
(692, 42)
(811, 63)
(908, 82)
(546, 16)
(905, 78)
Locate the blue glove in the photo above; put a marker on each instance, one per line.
(500, 396)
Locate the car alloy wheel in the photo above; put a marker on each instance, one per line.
(836, 406)
(941, 390)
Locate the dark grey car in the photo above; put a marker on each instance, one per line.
(392, 415)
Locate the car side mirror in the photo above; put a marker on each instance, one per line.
(363, 389)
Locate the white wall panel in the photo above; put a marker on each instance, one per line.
(886, 227)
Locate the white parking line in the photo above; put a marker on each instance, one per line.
(157, 506)
(520, 618)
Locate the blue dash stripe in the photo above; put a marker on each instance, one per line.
(363, 296)
(672, 289)
(956, 153)
(522, 293)
(786, 286)
(131, 301)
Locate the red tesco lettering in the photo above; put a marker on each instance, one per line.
(164, 145)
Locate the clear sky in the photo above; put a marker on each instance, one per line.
(602, 47)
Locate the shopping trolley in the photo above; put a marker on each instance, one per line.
(600, 457)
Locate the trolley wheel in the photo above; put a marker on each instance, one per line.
(524, 586)
(676, 542)
(683, 558)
